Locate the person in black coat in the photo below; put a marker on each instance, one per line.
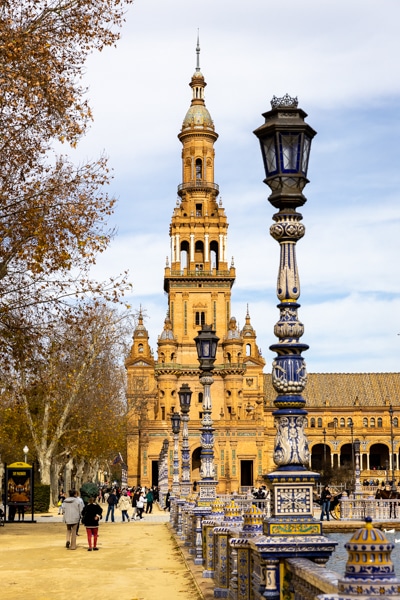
(91, 516)
(326, 497)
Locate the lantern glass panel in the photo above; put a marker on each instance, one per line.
(205, 348)
(290, 151)
(268, 149)
(306, 154)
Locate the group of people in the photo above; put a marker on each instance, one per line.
(140, 499)
(260, 493)
(75, 511)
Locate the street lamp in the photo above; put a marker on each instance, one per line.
(25, 450)
(357, 488)
(351, 424)
(392, 446)
(185, 396)
(324, 434)
(176, 425)
(285, 141)
(206, 346)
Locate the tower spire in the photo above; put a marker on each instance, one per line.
(198, 53)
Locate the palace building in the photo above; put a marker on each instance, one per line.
(198, 280)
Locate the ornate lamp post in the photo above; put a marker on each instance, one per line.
(206, 346)
(357, 489)
(176, 425)
(392, 446)
(25, 450)
(185, 396)
(285, 140)
(352, 444)
(324, 434)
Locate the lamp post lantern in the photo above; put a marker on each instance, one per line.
(185, 395)
(285, 141)
(176, 425)
(25, 450)
(392, 447)
(206, 346)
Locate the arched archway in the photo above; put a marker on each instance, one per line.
(196, 462)
(378, 456)
(320, 456)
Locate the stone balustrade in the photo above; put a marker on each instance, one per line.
(357, 509)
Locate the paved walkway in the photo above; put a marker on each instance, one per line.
(137, 561)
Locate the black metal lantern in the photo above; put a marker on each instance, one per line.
(357, 446)
(206, 346)
(176, 422)
(285, 140)
(185, 396)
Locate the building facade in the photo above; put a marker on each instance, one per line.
(198, 281)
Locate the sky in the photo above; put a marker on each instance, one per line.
(341, 61)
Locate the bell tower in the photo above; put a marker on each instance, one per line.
(198, 281)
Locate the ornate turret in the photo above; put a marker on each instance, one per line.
(140, 347)
(369, 570)
(167, 343)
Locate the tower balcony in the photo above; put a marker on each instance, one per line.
(198, 185)
(178, 369)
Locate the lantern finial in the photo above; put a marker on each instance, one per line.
(285, 101)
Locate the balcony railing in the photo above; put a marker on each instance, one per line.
(198, 184)
(200, 273)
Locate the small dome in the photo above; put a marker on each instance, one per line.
(233, 333)
(167, 333)
(198, 116)
(369, 569)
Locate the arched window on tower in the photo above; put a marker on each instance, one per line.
(199, 168)
(248, 349)
(214, 255)
(319, 422)
(199, 255)
(184, 255)
(365, 422)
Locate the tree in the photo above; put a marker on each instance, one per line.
(70, 394)
(52, 214)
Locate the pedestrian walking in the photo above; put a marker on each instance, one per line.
(140, 505)
(91, 516)
(168, 501)
(72, 514)
(80, 500)
(61, 498)
(112, 501)
(325, 503)
(124, 504)
(150, 500)
(134, 498)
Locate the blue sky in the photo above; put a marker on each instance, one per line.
(341, 60)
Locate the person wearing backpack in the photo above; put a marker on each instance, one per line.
(112, 501)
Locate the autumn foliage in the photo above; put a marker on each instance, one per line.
(53, 213)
